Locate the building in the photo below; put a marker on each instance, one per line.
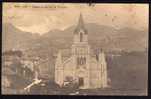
(9, 56)
(14, 63)
(81, 66)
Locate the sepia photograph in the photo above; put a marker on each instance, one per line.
(75, 49)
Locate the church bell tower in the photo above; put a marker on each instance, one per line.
(80, 33)
(80, 52)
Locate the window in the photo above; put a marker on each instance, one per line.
(81, 60)
(81, 37)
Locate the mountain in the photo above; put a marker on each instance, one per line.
(105, 37)
(12, 37)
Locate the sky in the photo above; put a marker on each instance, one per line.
(43, 17)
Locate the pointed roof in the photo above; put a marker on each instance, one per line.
(81, 22)
(80, 25)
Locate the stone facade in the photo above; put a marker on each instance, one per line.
(81, 67)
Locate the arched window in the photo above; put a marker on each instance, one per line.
(81, 60)
(81, 37)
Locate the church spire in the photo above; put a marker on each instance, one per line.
(80, 25)
(81, 22)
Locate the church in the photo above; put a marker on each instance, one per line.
(81, 66)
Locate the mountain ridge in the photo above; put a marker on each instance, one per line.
(106, 37)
